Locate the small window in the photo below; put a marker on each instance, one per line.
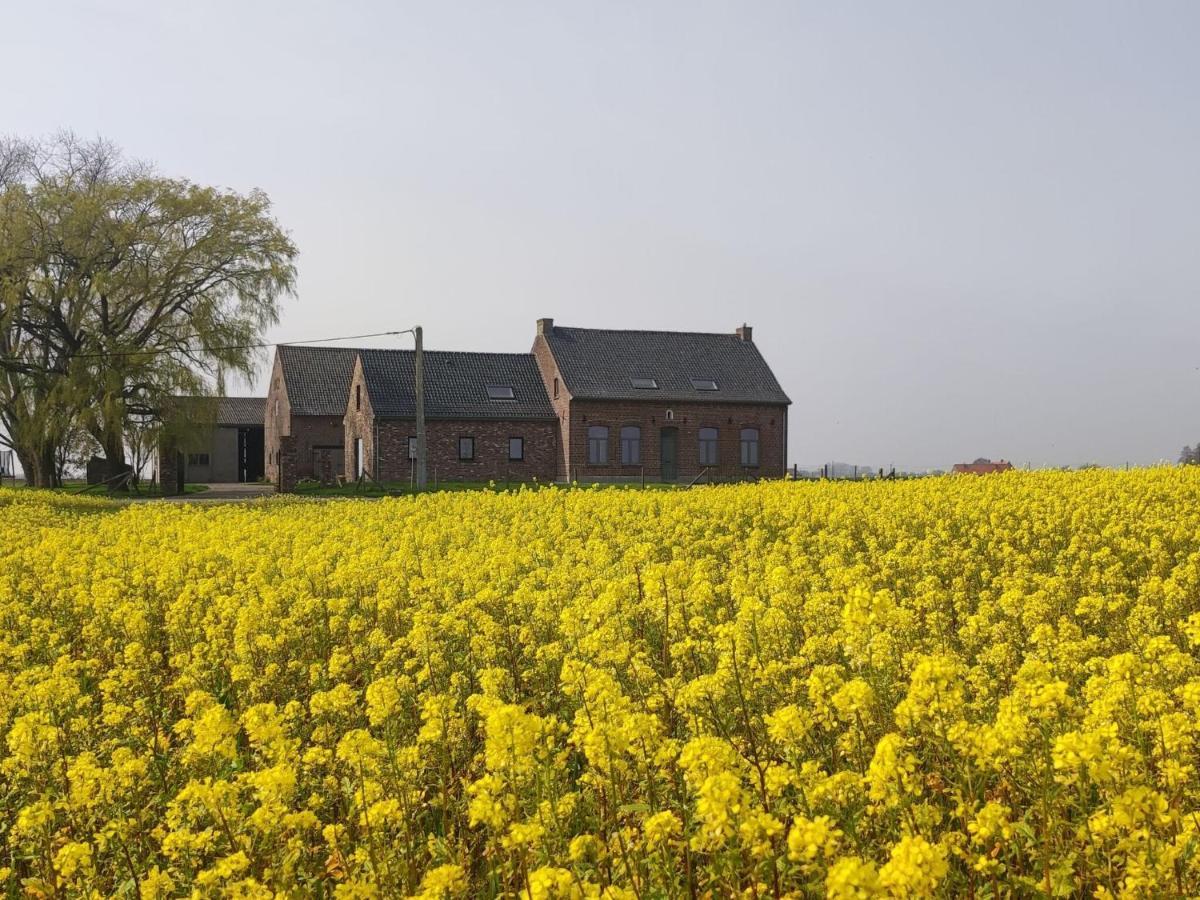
(499, 392)
(516, 449)
(708, 446)
(466, 448)
(555, 388)
(598, 445)
(197, 459)
(358, 396)
(412, 447)
(749, 446)
(631, 445)
(704, 384)
(644, 384)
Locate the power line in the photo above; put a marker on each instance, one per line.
(151, 351)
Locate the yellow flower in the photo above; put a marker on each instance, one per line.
(914, 869)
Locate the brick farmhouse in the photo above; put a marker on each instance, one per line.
(670, 405)
(584, 404)
(486, 417)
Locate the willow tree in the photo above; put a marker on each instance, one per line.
(122, 288)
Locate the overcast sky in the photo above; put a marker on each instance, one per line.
(959, 229)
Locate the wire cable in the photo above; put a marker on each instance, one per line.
(150, 351)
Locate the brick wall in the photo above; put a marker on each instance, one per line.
(287, 465)
(560, 400)
(385, 445)
(689, 417)
(491, 461)
(359, 422)
(275, 421)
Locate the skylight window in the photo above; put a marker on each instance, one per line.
(644, 384)
(704, 384)
(500, 392)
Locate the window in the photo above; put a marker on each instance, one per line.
(644, 384)
(516, 449)
(598, 445)
(704, 384)
(631, 445)
(500, 392)
(708, 446)
(749, 446)
(197, 459)
(412, 447)
(555, 388)
(358, 396)
(466, 448)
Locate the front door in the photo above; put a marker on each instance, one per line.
(668, 443)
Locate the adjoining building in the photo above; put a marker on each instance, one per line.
(982, 466)
(221, 442)
(306, 403)
(664, 405)
(487, 417)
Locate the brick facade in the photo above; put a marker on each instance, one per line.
(560, 401)
(275, 420)
(317, 449)
(650, 415)
(287, 465)
(385, 445)
(687, 420)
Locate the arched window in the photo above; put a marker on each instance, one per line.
(708, 446)
(631, 445)
(749, 446)
(556, 388)
(597, 445)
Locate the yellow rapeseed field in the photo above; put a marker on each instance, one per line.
(955, 687)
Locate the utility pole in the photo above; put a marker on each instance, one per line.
(419, 387)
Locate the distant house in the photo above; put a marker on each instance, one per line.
(224, 442)
(306, 403)
(668, 405)
(487, 417)
(981, 466)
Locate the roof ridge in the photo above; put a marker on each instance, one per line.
(447, 352)
(730, 334)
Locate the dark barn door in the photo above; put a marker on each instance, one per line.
(668, 454)
(251, 454)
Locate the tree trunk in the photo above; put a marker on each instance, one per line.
(42, 462)
(28, 469)
(114, 456)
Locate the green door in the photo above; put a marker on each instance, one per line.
(668, 442)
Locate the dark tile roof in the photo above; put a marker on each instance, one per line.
(598, 364)
(241, 410)
(455, 385)
(231, 411)
(318, 378)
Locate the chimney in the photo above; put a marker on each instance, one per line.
(746, 333)
(545, 326)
